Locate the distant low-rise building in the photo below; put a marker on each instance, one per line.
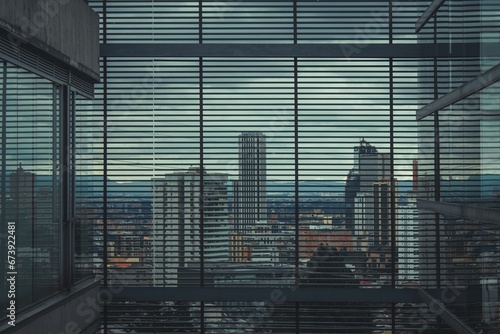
(312, 236)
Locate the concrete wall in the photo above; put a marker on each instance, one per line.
(77, 311)
(67, 29)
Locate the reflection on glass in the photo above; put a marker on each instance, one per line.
(30, 199)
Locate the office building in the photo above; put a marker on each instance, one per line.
(250, 194)
(369, 197)
(369, 166)
(385, 211)
(106, 101)
(407, 241)
(22, 193)
(190, 223)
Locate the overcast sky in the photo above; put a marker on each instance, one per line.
(154, 106)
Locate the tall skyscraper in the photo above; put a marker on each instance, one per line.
(45, 247)
(250, 192)
(180, 207)
(369, 166)
(351, 190)
(407, 239)
(368, 197)
(383, 206)
(21, 210)
(22, 195)
(34, 210)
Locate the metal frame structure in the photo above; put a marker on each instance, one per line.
(428, 14)
(68, 83)
(441, 50)
(477, 84)
(295, 51)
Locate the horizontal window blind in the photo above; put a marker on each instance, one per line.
(30, 185)
(187, 113)
(287, 173)
(273, 22)
(89, 185)
(267, 317)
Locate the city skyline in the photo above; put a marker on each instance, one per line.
(250, 166)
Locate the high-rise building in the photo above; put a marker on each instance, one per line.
(369, 166)
(190, 223)
(34, 210)
(384, 207)
(250, 189)
(314, 76)
(366, 208)
(407, 240)
(21, 210)
(45, 241)
(22, 194)
(351, 190)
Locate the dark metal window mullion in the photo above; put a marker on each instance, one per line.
(202, 188)
(437, 171)
(295, 24)
(105, 188)
(3, 228)
(200, 22)
(391, 169)
(296, 188)
(437, 166)
(202, 167)
(105, 306)
(393, 188)
(56, 148)
(72, 185)
(296, 167)
(64, 175)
